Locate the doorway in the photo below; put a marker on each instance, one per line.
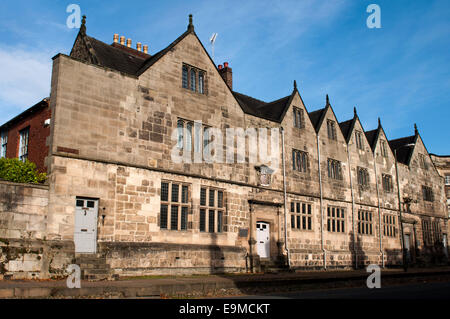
(85, 237)
(263, 239)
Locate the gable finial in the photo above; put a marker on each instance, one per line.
(328, 100)
(379, 122)
(416, 131)
(354, 112)
(295, 85)
(83, 25)
(191, 25)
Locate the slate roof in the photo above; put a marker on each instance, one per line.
(37, 107)
(371, 137)
(115, 58)
(272, 111)
(316, 117)
(346, 128)
(403, 152)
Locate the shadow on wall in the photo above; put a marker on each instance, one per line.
(357, 252)
(217, 256)
(428, 256)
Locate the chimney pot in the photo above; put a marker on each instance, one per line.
(139, 46)
(129, 43)
(116, 38)
(146, 49)
(227, 74)
(122, 40)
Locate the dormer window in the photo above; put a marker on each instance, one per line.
(193, 79)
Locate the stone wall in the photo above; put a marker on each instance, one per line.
(24, 251)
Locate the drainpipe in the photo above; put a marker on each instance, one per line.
(402, 238)
(285, 201)
(379, 210)
(353, 208)
(321, 207)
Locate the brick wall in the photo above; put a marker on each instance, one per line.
(37, 143)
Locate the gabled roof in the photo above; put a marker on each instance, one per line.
(347, 128)
(316, 118)
(372, 137)
(116, 58)
(35, 108)
(404, 152)
(273, 111)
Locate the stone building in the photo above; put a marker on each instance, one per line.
(328, 197)
(442, 163)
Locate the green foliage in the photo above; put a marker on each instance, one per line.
(14, 170)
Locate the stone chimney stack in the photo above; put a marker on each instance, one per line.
(122, 40)
(116, 38)
(139, 46)
(146, 49)
(129, 43)
(227, 74)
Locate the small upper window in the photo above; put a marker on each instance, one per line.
(23, 146)
(359, 140)
(298, 118)
(201, 82)
(193, 80)
(331, 127)
(185, 77)
(423, 161)
(383, 149)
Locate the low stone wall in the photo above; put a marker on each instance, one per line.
(23, 210)
(24, 251)
(141, 259)
(34, 259)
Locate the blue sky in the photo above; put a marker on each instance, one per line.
(399, 72)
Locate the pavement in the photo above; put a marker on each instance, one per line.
(212, 285)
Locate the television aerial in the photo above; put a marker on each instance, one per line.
(213, 40)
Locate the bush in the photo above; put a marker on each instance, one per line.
(14, 170)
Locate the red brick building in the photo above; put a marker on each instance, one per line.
(25, 136)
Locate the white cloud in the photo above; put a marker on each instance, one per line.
(26, 77)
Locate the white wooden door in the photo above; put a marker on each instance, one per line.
(263, 239)
(86, 214)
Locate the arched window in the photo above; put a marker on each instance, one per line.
(185, 77)
(193, 80)
(201, 83)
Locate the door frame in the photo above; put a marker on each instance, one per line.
(269, 241)
(96, 212)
